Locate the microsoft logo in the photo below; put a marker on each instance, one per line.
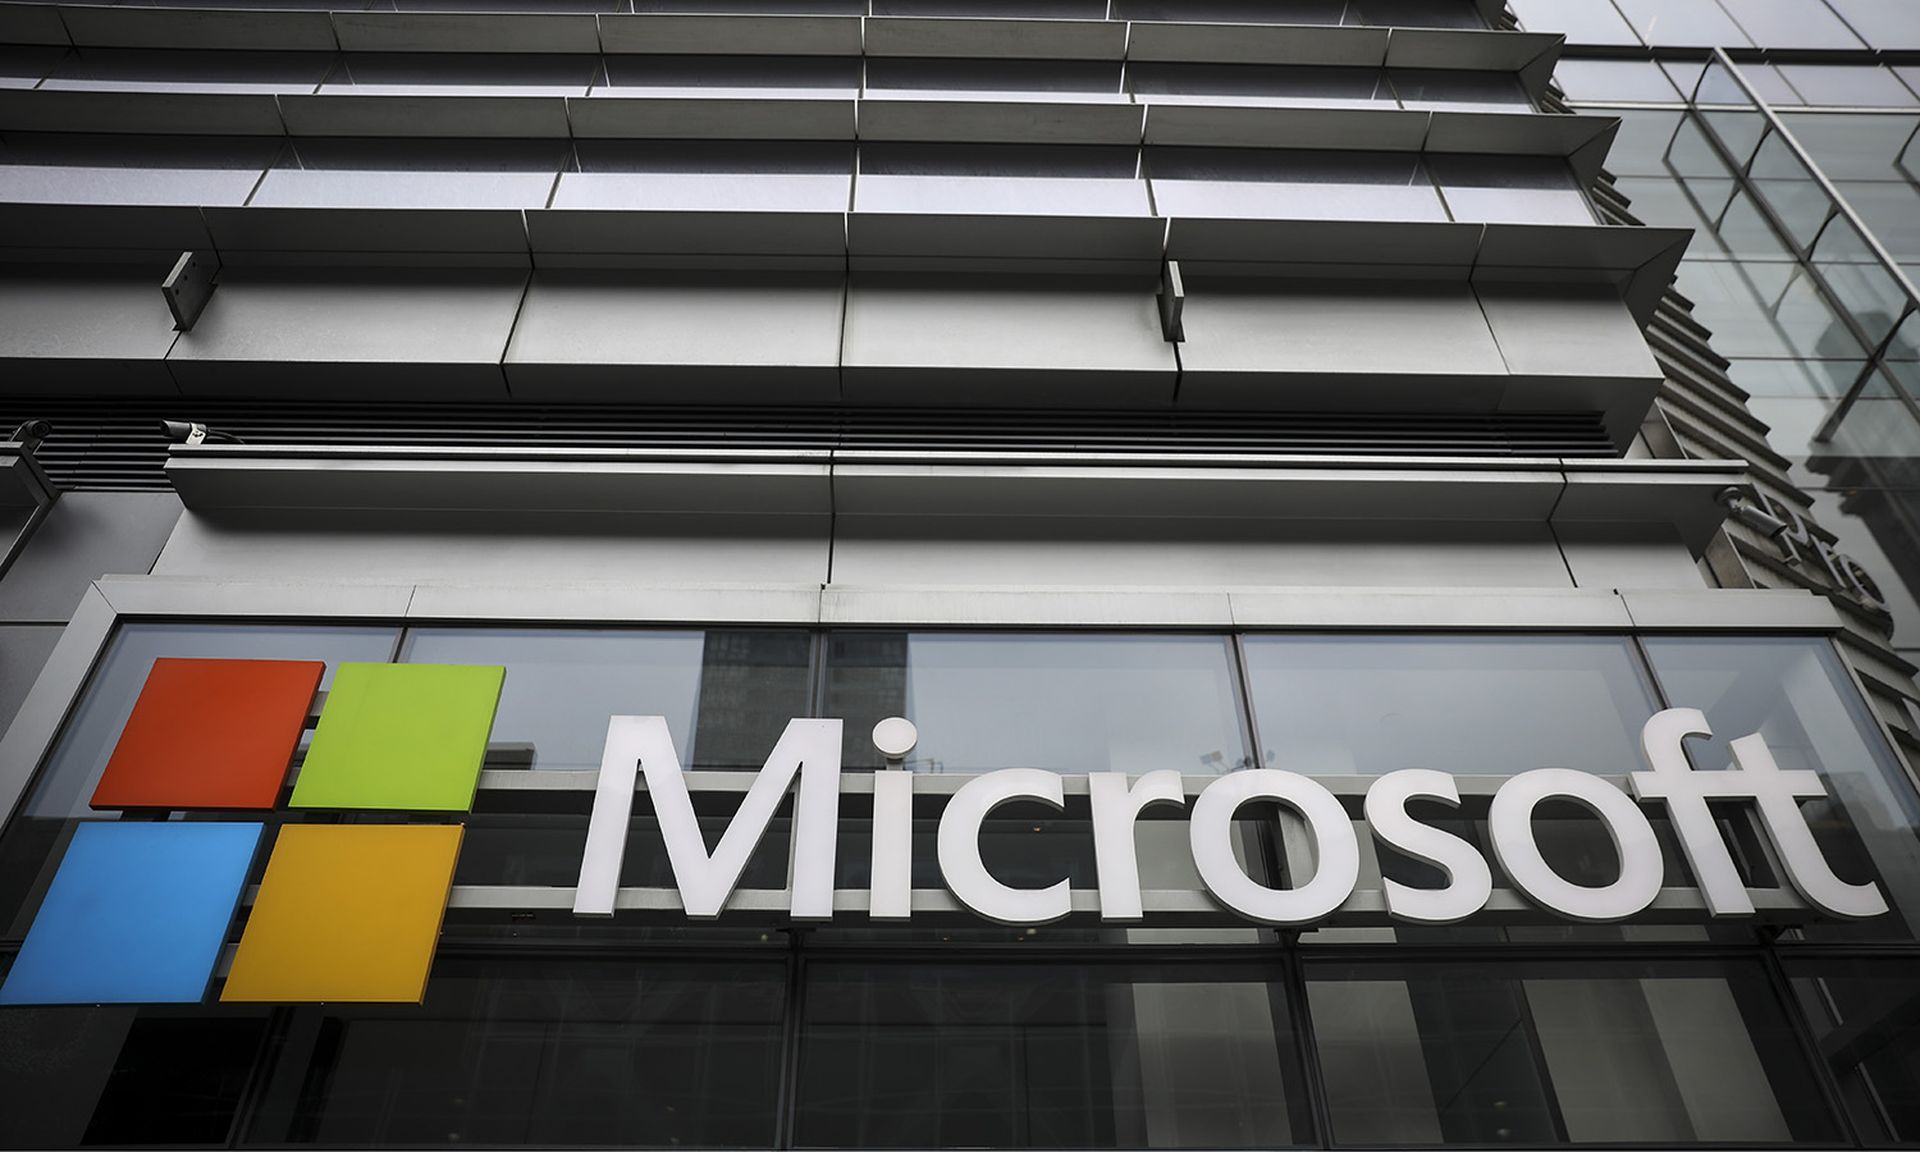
(138, 910)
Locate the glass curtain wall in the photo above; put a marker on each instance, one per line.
(1783, 132)
(541, 1028)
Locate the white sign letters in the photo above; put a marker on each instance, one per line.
(809, 752)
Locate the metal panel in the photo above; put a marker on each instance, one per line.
(1001, 608)
(1532, 609)
(1041, 552)
(392, 335)
(136, 596)
(498, 481)
(1002, 38)
(1547, 330)
(1029, 244)
(1258, 44)
(1281, 491)
(618, 603)
(313, 235)
(1627, 556)
(716, 118)
(196, 29)
(919, 341)
(84, 536)
(105, 330)
(773, 239)
(589, 335)
(164, 113)
(465, 547)
(1732, 610)
(467, 31)
(394, 115)
(24, 650)
(730, 34)
(32, 24)
(990, 121)
(153, 232)
(1275, 344)
(1371, 129)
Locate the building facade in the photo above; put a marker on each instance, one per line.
(958, 573)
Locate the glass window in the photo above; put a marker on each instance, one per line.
(126, 70)
(1764, 310)
(709, 176)
(727, 695)
(1791, 24)
(1848, 85)
(1891, 211)
(1683, 23)
(1583, 21)
(59, 796)
(1030, 1055)
(74, 1076)
(1368, 705)
(1067, 703)
(50, 168)
(1602, 1053)
(1248, 183)
(1270, 84)
(340, 173)
(1857, 147)
(757, 76)
(1883, 24)
(921, 78)
(1638, 81)
(1794, 693)
(1868, 1032)
(1016, 179)
(538, 1051)
(1510, 189)
(462, 74)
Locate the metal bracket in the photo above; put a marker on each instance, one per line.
(188, 287)
(1173, 298)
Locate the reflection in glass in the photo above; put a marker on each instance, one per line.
(727, 695)
(538, 1051)
(1047, 1056)
(1066, 703)
(1794, 692)
(1543, 1053)
(1866, 1020)
(1368, 705)
(125, 1076)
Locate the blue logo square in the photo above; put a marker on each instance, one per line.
(135, 915)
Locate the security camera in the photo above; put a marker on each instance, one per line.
(187, 432)
(31, 433)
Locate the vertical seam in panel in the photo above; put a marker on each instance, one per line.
(513, 328)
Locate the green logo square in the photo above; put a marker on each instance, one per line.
(401, 736)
